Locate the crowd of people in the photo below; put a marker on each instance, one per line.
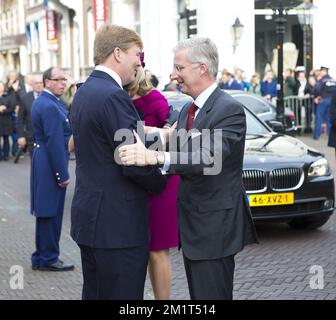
(17, 95)
(313, 95)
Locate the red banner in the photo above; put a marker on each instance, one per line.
(52, 32)
(99, 13)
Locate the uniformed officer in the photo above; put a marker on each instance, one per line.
(325, 89)
(49, 171)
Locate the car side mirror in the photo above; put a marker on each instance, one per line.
(277, 126)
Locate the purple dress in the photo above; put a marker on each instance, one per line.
(153, 109)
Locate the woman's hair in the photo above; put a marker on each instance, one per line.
(140, 85)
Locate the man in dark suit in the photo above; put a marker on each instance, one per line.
(214, 217)
(109, 208)
(24, 124)
(49, 171)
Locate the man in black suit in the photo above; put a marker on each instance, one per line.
(109, 208)
(214, 217)
(24, 124)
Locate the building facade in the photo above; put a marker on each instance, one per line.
(49, 35)
(13, 51)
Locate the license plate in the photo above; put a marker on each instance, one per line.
(275, 199)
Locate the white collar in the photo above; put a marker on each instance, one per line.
(204, 96)
(36, 95)
(111, 73)
(48, 91)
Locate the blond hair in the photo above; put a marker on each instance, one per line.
(140, 85)
(110, 37)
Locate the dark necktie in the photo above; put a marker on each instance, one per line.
(191, 115)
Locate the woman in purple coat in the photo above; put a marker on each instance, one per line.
(153, 109)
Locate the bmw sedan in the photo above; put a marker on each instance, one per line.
(285, 180)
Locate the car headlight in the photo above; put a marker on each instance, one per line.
(319, 168)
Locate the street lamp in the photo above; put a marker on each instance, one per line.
(280, 21)
(305, 12)
(237, 30)
(280, 11)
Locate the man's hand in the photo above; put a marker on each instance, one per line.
(15, 86)
(64, 184)
(168, 130)
(3, 108)
(22, 142)
(137, 154)
(148, 129)
(318, 100)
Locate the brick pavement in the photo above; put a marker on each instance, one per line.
(277, 268)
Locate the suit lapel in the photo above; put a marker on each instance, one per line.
(59, 104)
(31, 98)
(182, 121)
(206, 108)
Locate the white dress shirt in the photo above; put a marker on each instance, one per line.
(203, 97)
(199, 102)
(111, 73)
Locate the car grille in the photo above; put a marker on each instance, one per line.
(254, 180)
(285, 178)
(280, 179)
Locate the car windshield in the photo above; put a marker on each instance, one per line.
(253, 126)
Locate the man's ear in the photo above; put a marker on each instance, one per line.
(204, 68)
(117, 54)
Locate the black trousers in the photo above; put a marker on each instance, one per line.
(114, 274)
(210, 279)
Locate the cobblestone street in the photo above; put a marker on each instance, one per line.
(277, 268)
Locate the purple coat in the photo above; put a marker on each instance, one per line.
(154, 109)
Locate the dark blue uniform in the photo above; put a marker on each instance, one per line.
(51, 128)
(325, 88)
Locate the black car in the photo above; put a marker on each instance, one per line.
(265, 110)
(285, 180)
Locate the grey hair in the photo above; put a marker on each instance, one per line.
(201, 50)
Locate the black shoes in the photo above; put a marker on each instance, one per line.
(57, 266)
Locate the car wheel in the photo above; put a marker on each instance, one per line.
(308, 223)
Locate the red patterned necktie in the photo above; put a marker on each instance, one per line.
(191, 115)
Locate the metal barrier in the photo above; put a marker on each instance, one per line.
(304, 110)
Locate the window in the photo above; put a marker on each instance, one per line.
(253, 126)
